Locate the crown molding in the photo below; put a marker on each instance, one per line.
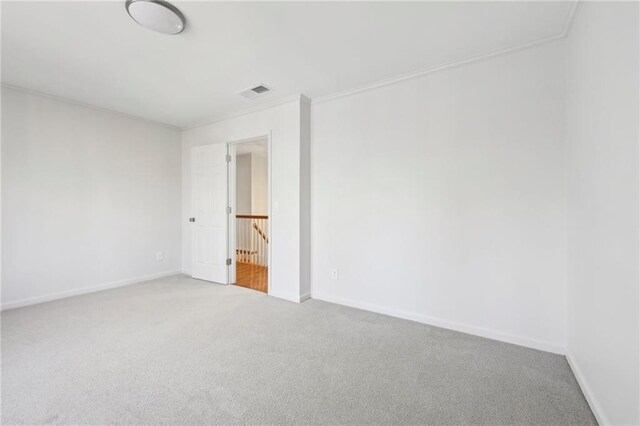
(302, 98)
(84, 105)
(239, 113)
(569, 19)
(565, 30)
(477, 58)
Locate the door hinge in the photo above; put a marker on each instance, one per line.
(228, 158)
(228, 262)
(228, 210)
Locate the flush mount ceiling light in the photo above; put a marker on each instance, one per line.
(157, 15)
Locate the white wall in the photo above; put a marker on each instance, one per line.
(243, 184)
(442, 198)
(602, 132)
(283, 123)
(88, 198)
(252, 183)
(259, 184)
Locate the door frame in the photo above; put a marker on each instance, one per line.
(231, 201)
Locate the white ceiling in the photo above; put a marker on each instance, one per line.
(92, 52)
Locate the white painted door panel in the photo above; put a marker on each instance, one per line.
(209, 209)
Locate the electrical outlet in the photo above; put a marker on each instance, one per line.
(334, 274)
(159, 256)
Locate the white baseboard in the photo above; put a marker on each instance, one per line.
(84, 290)
(586, 391)
(450, 325)
(296, 298)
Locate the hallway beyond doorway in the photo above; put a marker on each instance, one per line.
(250, 190)
(251, 276)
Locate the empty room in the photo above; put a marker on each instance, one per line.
(326, 213)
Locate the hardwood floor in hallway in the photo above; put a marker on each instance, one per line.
(252, 276)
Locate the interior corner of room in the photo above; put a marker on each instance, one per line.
(415, 204)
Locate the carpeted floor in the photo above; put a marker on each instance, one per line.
(183, 351)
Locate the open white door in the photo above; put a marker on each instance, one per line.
(209, 230)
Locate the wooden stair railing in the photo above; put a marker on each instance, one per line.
(261, 232)
(252, 239)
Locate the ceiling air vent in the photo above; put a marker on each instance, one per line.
(254, 92)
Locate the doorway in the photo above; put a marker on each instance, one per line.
(249, 225)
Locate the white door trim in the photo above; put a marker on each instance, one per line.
(231, 149)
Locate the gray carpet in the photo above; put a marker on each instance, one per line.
(182, 351)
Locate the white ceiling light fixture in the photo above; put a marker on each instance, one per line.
(157, 15)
